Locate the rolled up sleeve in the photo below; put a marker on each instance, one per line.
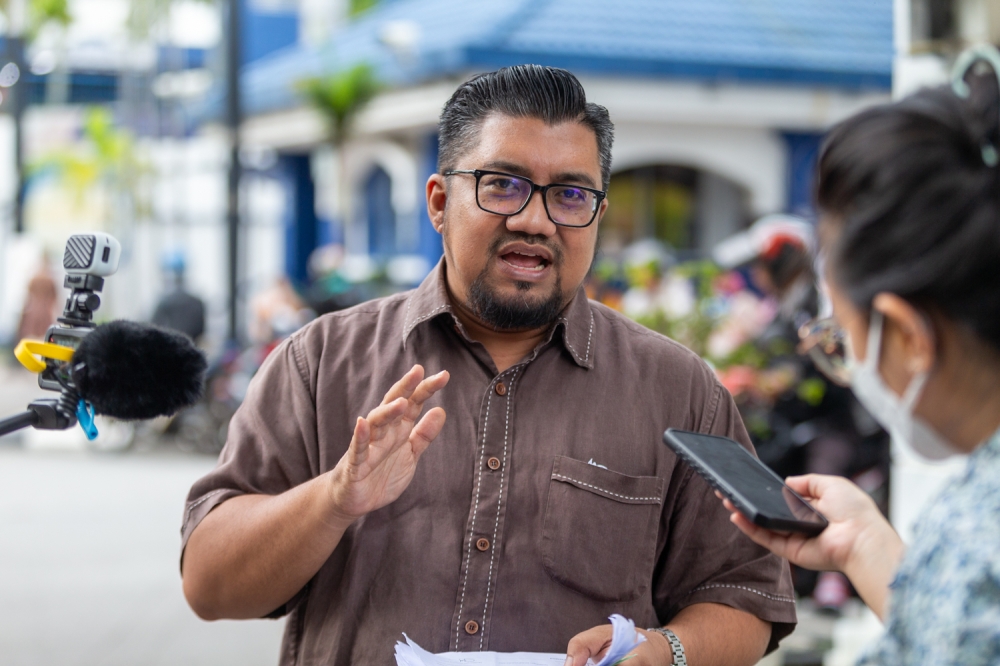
(271, 446)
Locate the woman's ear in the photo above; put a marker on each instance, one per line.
(437, 198)
(908, 342)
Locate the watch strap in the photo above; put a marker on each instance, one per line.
(675, 645)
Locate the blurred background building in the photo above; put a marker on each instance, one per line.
(719, 108)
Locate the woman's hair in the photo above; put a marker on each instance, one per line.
(916, 204)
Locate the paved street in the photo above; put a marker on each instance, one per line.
(88, 560)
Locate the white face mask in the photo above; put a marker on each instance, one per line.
(894, 413)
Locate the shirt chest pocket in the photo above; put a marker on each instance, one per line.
(599, 530)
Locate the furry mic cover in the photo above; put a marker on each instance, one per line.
(136, 371)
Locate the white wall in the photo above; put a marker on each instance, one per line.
(190, 215)
(754, 158)
(729, 130)
(13, 277)
(187, 194)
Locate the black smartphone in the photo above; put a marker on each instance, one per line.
(749, 484)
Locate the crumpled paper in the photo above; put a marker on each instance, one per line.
(624, 639)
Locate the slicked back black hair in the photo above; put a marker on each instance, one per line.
(523, 91)
(916, 205)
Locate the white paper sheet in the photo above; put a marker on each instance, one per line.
(624, 639)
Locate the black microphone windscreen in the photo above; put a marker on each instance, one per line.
(131, 371)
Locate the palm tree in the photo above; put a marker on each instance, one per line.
(339, 97)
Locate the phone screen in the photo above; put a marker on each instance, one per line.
(745, 480)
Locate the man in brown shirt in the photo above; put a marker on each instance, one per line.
(545, 501)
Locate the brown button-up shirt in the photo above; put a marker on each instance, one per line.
(547, 503)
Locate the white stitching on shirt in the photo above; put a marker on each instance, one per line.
(472, 531)
(187, 514)
(496, 525)
(569, 345)
(407, 326)
(406, 317)
(590, 335)
(423, 318)
(624, 497)
(772, 597)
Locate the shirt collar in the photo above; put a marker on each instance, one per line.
(575, 324)
(427, 301)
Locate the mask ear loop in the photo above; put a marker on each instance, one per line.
(968, 58)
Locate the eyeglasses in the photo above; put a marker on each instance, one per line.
(506, 194)
(828, 346)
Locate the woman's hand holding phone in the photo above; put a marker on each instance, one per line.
(859, 541)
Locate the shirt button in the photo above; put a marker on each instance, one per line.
(471, 627)
(493, 463)
(501, 388)
(483, 545)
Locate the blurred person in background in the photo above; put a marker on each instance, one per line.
(178, 309)
(909, 195)
(814, 425)
(276, 313)
(546, 501)
(40, 304)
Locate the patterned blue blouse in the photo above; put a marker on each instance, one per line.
(945, 604)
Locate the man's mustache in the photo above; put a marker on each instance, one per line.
(506, 237)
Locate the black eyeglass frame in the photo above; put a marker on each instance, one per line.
(479, 173)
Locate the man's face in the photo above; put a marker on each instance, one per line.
(517, 272)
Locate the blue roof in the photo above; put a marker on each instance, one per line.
(835, 43)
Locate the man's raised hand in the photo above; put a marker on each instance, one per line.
(386, 446)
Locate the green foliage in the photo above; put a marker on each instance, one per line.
(811, 391)
(41, 12)
(357, 7)
(106, 157)
(340, 96)
(693, 329)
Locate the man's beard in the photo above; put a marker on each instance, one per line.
(513, 314)
(517, 312)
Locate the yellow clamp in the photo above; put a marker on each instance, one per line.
(28, 351)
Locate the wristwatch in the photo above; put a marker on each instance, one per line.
(675, 644)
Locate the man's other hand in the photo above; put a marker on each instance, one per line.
(593, 643)
(386, 446)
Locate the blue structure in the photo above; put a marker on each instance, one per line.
(266, 29)
(803, 151)
(844, 45)
(301, 226)
(380, 215)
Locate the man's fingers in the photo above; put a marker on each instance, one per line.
(384, 417)
(587, 644)
(387, 414)
(429, 387)
(405, 386)
(359, 442)
(426, 430)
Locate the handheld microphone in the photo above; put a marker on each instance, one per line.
(133, 371)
